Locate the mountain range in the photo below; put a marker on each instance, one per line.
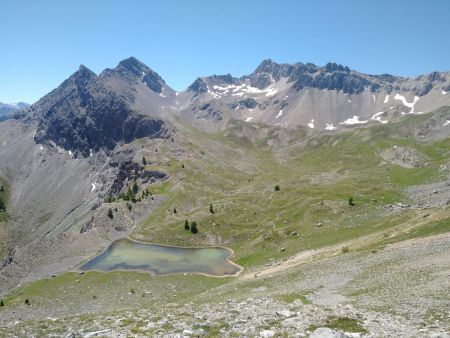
(137, 101)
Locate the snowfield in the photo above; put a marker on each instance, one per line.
(353, 120)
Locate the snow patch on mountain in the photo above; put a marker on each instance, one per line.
(241, 90)
(386, 99)
(377, 117)
(329, 126)
(353, 120)
(406, 103)
(311, 124)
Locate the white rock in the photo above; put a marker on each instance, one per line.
(285, 313)
(439, 335)
(267, 334)
(325, 332)
(187, 332)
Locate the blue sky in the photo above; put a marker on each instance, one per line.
(43, 42)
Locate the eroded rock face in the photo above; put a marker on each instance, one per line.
(84, 114)
(128, 171)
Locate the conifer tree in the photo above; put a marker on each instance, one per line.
(194, 229)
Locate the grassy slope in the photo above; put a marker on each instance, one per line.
(237, 174)
(238, 178)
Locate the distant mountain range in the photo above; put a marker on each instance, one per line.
(7, 110)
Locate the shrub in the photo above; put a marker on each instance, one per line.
(350, 201)
(2, 303)
(186, 225)
(211, 210)
(128, 195)
(345, 249)
(174, 210)
(27, 301)
(135, 187)
(277, 188)
(129, 206)
(144, 161)
(110, 213)
(2, 188)
(2, 204)
(194, 229)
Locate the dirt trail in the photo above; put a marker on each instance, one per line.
(357, 243)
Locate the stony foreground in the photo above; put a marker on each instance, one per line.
(264, 317)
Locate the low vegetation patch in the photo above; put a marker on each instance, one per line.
(341, 323)
(292, 297)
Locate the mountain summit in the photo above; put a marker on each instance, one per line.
(132, 69)
(85, 114)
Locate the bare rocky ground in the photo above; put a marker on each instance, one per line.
(431, 195)
(401, 290)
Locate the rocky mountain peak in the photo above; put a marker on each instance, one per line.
(82, 75)
(268, 72)
(133, 70)
(331, 67)
(85, 114)
(198, 86)
(265, 66)
(133, 66)
(226, 79)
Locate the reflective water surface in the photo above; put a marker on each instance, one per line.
(125, 254)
